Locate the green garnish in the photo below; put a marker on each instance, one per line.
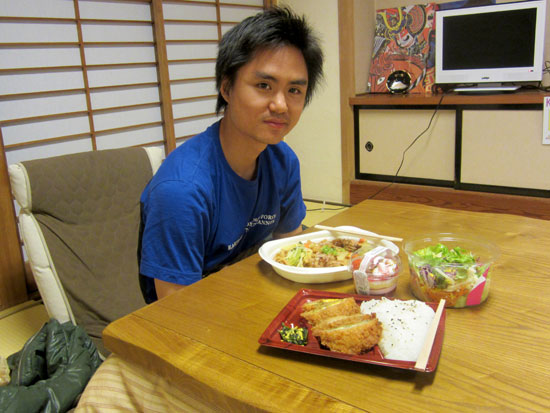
(327, 249)
(293, 335)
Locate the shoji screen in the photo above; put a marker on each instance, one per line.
(79, 75)
(192, 30)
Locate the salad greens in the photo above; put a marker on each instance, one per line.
(445, 268)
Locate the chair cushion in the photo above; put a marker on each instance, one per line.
(84, 208)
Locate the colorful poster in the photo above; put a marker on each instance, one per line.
(404, 40)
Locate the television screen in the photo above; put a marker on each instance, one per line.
(487, 44)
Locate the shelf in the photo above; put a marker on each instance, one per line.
(526, 97)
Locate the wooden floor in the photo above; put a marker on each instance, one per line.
(19, 323)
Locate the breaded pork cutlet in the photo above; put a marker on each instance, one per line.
(339, 321)
(344, 306)
(317, 304)
(352, 338)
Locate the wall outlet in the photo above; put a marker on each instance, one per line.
(546, 121)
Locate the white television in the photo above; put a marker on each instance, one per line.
(490, 48)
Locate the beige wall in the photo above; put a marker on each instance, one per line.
(317, 137)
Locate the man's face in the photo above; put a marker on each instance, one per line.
(268, 95)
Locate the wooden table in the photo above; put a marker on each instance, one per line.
(495, 356)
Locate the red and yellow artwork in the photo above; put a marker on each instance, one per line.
(404, 40)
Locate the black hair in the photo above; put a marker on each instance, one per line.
(270, 29)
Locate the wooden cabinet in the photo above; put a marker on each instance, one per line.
(507, 151)
(488, 143)
(384, 135)
(479, 153)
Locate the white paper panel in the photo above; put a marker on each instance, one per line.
(192, 51)
(37, 8)
(191, 70)
(114, 10)
(140, 136)
(193, 127)
(236, 14)
(47, 150)
(96, 32)
(47, 105)
(110, 55)
(124, 97)
(121, 76)
(195, 107)
(186, 90)
(11, 32)
(37, 82)
(181, 11)
(104, 121)
(29, 132)
(191, 31)
(248, 2)
(226, 27)
(43, 57)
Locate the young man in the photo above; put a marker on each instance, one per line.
(226, 190)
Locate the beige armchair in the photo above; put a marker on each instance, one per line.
(79, 220)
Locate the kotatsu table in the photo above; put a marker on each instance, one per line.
(496, 356)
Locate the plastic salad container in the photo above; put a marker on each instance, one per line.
(375, 270)
(453, 267)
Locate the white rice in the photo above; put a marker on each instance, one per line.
(404, 326)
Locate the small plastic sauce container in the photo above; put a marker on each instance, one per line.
(375, 271)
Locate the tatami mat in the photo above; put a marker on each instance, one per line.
(317, 212)
(19, 323)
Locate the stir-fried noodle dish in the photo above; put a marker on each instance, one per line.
(325, 253)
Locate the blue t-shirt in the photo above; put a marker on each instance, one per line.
(198, 214)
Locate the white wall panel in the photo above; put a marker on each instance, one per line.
(191, 31)
(195, 107)
(114, 10)
(130, 138)
(121, 76)
(186, 90)
(28, 132)
(40, 106)
(48, 149)
(116, 32)
(38, 82)
(194, 126)
(190, 70)
(43, 57)
(236, 14)
(191, 51)
(122, 118)
(115, 55)
(37, 8)
(181, 11)
(124, 97)
(11, 32)
(258, 3)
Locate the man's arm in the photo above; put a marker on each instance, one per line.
(165, 288)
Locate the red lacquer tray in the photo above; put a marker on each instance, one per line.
(290, 314)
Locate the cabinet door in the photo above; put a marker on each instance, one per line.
(390, 132)
(504, 148)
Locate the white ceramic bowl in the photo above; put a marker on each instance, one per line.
(313, 275)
